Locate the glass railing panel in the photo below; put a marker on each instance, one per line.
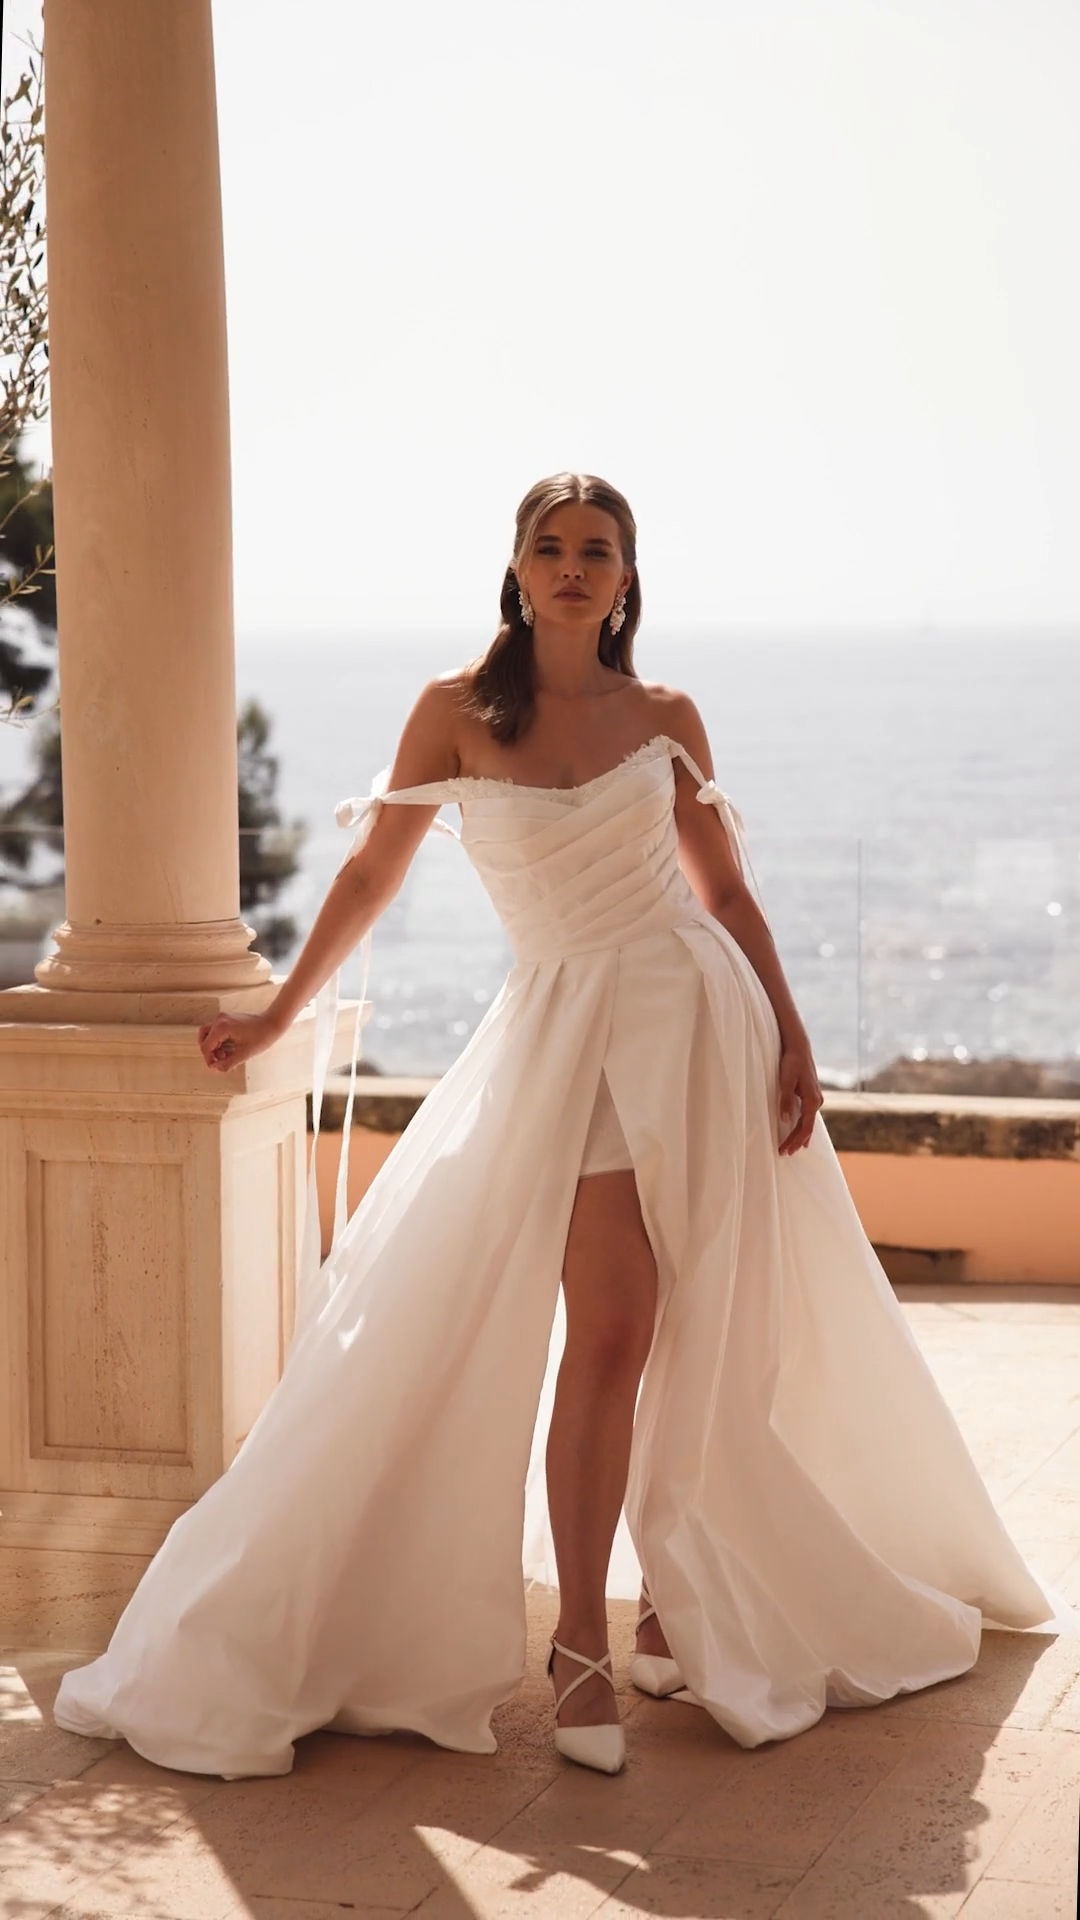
(971, 952)
(808, 885)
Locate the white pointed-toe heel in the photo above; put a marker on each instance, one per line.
(601, 1747)
(654, 1673)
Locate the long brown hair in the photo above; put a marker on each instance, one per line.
(500, 684)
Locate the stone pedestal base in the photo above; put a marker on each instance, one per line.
(152, 1218)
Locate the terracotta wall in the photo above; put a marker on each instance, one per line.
(1012, 1219)
(367, 1151)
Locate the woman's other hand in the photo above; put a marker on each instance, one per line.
(231, 1038)
(799, 1093)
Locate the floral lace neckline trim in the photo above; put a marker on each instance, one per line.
(480, 783)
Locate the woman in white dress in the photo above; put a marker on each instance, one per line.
(636, 1120)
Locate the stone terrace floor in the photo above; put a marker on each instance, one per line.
(959, 1799)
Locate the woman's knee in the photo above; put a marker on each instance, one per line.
(609, 1281)
(611, 1340)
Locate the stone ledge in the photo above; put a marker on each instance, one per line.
(949, 1126)
(954, 1126)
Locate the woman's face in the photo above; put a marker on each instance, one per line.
(576, 567)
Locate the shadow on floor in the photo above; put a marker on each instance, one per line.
(873, 1804)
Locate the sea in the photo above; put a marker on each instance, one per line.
(912, 810)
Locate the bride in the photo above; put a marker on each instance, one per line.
(636, 1121)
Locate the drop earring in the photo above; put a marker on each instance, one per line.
(618, 613)
(526, 606)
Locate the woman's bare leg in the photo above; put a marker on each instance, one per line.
(609, 1284)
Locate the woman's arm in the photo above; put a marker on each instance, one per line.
(360, 891)
(706, 857)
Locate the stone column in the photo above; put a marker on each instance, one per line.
(142, 503)
(151, 1209)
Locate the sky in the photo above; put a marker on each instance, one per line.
(800, 276)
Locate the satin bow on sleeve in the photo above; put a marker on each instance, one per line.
(710, 795)
(362, 812)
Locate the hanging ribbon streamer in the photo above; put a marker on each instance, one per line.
(710, 795)
(313, 1280)
(311, 1296)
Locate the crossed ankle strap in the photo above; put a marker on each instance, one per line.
(649, 1612)
(602, 1667)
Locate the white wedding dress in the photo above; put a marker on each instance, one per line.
(812, 1526)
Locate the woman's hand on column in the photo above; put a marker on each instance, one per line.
(799, 1092)
(231, 1038)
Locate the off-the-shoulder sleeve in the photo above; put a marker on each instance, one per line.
(361, 812)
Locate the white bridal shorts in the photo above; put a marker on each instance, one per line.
(606, 1150)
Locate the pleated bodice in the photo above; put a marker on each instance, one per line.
(585, 870)
(576, 869)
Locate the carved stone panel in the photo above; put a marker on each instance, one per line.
(107, 1290)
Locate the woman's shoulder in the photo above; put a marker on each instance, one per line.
(670, 705)
(674, 714)
(439, 727)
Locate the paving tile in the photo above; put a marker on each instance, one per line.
(1018, 1680)
(504, 1882)
(1068, 1768)
(1052, 1509)
(948, 1759)
(672, 1733)
(182, 1881)
(700, 1890)
(904, 1852)
(15, 1795)
(1063, 1467)
(322, 1840)
(1010, 1900)
(122, 1766)
(984, 1302)
(780, 1805)
(624, 1815)
(1051, 1555)
(361, 1763)
(1068, 1580)
(269, 1908)
(1052, 1329)
(71, 1835)
(32, 1747)
(578, 1839)
(1066, 1714)
(1042, 1846)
